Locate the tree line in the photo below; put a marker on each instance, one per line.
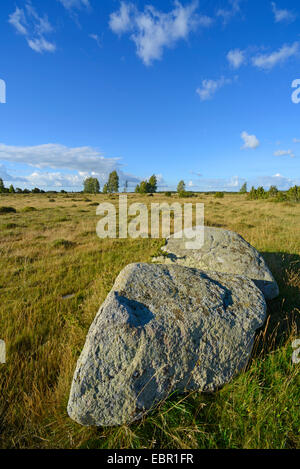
(17, 190)
(147, 187)
(91, 185)
(292, 194)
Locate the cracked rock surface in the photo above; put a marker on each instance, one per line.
(222, 251)
(163, 328)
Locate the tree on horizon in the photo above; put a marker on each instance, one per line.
(91, 186)
(243, 189)
(147, 187)
(113, 182)
(2, 187)
(181, 187)
(152, 184)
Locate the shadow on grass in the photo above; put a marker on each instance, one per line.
(283, 313)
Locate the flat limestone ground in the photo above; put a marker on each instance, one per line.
(55, 273)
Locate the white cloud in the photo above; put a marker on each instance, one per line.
(160, 179)
(123, 20)
(8, 177)
(235, 183)
(268, 61)
(296, 140)
(41, 45)
(228, 13)
(59, 157)
(41, 24)
(55, 179)
(281, 182)
(76, 4)
(217, 184)
(96, 38)
(47, 179)
(210, 87)
(33, 27)
(284, 153)
(282, 15)
(82, 161)
(250, 141)
(153, 30)
(18, 20)
(236, 58)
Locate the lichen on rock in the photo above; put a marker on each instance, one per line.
(163, 328)
(222, 251)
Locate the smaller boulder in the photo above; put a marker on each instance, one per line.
(222, 251)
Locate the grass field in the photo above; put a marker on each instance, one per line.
(54, 274)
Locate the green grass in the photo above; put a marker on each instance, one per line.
(28, 209)
(54, 274)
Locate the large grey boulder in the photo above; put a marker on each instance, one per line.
(222, 251)
(160, 329)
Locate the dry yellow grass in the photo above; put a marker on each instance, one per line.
(54, 251)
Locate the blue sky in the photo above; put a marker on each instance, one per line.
(200, 91)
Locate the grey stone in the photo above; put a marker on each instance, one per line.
(163, 329)
(223, 251)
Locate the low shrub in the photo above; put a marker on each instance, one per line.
(7, 210)
(28, 209)
(63, 243)
(10, 226)
(293, 194)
